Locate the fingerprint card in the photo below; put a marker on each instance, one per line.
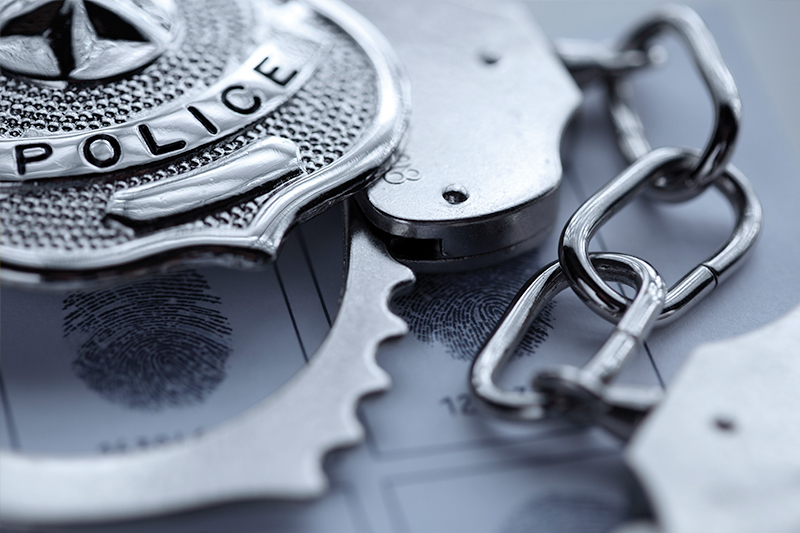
(159, 358)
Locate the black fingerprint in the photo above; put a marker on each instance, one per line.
(461, 310)
(575, 513)
(150, 344)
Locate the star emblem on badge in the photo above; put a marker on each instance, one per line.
(83, 40)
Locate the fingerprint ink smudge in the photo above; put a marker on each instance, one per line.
(460, 310)
(150, 344)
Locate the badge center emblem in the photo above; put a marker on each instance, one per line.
(85, 40)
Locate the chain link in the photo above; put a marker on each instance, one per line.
(721, 86)
(695, 285)
(565, 390)
(664, 174)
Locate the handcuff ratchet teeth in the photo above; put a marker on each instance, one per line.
(273, 450)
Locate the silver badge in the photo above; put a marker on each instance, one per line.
(137, 132)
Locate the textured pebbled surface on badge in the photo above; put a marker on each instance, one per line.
(134, 133)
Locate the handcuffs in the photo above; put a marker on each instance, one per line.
(187, 142)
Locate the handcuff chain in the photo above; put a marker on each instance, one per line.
(664, 174)
(667, 174)
(597, 61)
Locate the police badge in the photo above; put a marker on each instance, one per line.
(135, 133)
(139, 133)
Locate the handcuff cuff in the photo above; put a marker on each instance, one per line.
(146, 186)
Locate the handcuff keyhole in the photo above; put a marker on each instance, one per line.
(455, 194)
(725, 423)
(489, 58)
